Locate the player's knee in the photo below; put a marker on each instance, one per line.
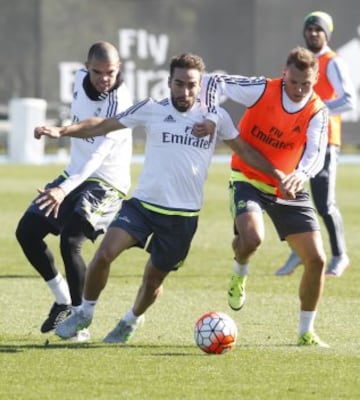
(70, 244)
(254, 242)
(23, 232)
(248, 243)
(19, 233)
(103, 256)
(316, 262)
(32, 228)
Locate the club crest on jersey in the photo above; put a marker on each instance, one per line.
(169, 118)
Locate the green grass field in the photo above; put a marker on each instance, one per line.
(162, 361)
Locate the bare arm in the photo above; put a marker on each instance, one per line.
(92, 127)
(88, 128)
(241, 89)
(254, 158)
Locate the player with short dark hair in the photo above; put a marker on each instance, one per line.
(162, 215)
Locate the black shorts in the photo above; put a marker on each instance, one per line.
(94, 200)
(288, 216)
(169, 236)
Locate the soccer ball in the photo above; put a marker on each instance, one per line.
(215, 333)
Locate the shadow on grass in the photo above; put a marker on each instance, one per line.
(114, 276)
(13, 276)
(17, 348)
(19, 277)
(47, 345)
(174, 351)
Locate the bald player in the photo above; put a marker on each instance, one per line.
(88, 193)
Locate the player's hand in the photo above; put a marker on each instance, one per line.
(287, 191)
(49, 131)
(206, 128)
(50, 200)
(290, 185)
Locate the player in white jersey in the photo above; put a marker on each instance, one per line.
(167, 200)
(89, 192)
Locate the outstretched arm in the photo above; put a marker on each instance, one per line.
(241, 89)
(88, 128)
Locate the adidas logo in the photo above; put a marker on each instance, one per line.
(103, 96)
(124, 218)
(297, 129)
(169, 118)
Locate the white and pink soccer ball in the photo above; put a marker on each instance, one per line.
(215, 333)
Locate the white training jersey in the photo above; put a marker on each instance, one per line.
(338, 75)
(105, 157)
(176, 162)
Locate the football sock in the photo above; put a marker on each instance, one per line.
(130, 318)
(307, 319)
(88, 307)
(241, 269)
(76, 309)
(60, 289)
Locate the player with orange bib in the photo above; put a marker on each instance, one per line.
(287, 122)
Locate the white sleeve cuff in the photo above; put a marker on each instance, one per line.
(213, 118)
(302, 175)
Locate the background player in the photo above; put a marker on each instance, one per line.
(335, 88)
